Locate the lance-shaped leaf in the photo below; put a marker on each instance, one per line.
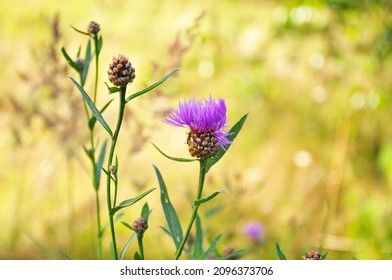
(93, 119)
(171, 216)
(212, 247)
(173, 158)
(233, 134)
(86, 65)
(129, 202)
(279, 252)
(146, 212)
(70, 61)
(99, 44)
(81, 32)
(93, 109)
(199, 201)
(126, 246)
(109, 174)
(137, 257)
(115, 220)
(88, 152)
(132, 96)
(98, 167)
(112, 89)
(236, 254)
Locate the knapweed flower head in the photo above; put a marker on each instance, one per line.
(206, 120)
(120, 71)
(140, 225)
(254, 230)
(93, 27)
(313, 255)
(80, 62)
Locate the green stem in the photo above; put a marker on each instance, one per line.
(202, 174)
(96, 182)
(96, 67)
(110, 163)
(96, 188)
(98, 225)
(140, 243)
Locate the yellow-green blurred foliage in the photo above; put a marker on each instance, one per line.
(313, 163)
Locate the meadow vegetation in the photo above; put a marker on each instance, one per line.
(312, 167)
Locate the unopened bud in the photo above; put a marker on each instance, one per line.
(313, 255)
(93, 28)
(140, 225)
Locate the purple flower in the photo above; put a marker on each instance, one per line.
(254, 231)
(206, 120)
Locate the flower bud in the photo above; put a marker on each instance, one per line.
(140, 225)
(313, 255)
(93, 28)
(121, 71)
(80, 62)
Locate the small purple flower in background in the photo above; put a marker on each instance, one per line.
(254, 231)
(206, 121)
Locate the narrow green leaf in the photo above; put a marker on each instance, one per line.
(109, 174)
(213, 211)
(234, 132)
(127, 225)
(166, 231)
(145, 212)
(79, 51)
(93, 119)
(86, 64)
(198, 242)
(98, 167)
(212, 247)
(41, 246)
(112, 89)
(70, 60)
(99, 44)
(173, 158)
(324, 256)
(197, 202)
(132, 96)
(94, 109)
(171, 216)
(279, 252)
(129, 202)
(88, 152)
(234, 254)
(64, 254)
(115, 220)
(189, 255)
(137, 257)
(126, 246)
(82, 32)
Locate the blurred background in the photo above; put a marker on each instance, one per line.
(311, 168)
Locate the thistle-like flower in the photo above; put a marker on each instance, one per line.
(121, 71)
(254, 231)
(206, 121)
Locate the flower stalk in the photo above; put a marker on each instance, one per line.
(110, 164)
(202, 175)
